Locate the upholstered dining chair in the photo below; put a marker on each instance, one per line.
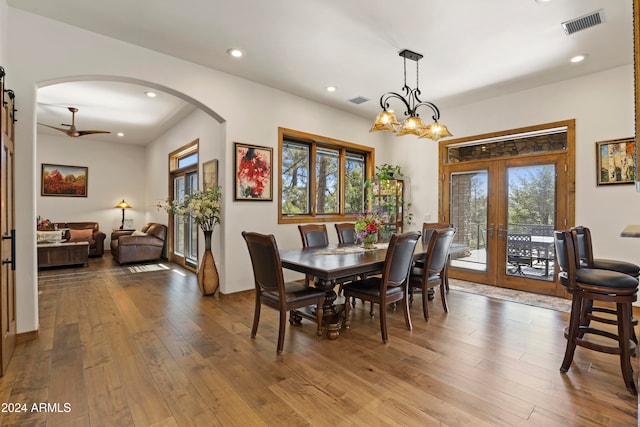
(313, 236)
(584, 249)
(271, 289)
(391, 286)
(430, 226)
(346, 232)
(587, 285)
(438, 246)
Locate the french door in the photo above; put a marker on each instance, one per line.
(506, 209)
(185, 231)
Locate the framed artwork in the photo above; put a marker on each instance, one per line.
(252, 172)
(210, 174)
(63, 180)
(616, 161)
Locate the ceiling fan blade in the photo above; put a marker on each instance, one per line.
(89, 132)
(65, 131)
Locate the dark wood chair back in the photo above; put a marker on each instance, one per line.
(273, 291)
(346, 232)
(313, 235)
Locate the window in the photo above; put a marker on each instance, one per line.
(322, 179)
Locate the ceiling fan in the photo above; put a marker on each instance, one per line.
(72, 131)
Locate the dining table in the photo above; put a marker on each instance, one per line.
(332, 263)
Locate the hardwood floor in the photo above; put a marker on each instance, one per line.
(145, 349)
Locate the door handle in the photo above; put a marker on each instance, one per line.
(501, 232)
(11, 260)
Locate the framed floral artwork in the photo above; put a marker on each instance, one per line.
(616, 161)
(62, 180)
(253, 178)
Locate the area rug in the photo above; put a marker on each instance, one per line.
(521, 297)
(147, 267)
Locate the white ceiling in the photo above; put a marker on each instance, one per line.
(473, 49)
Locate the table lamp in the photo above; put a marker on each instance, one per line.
(122, 205)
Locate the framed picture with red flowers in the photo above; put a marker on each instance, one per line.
(253, 178)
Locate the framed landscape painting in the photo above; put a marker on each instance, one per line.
(616, 161)
(210, 174)
(253, 178)
(63, 180)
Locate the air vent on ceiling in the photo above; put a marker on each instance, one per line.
(359, 100)
(583, 22)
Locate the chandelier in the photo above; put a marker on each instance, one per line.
(413, 124)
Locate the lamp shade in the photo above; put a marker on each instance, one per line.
(123, 205)
(412, 125)
(435, 131)
(385, 121)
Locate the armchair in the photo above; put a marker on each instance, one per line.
(85, 231)
(129, 246)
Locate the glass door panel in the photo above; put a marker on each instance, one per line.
(531, 212)
(179, 191)
(191, 227)
(468, 212)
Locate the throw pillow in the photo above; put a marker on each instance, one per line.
(80, 235)
(138, 233)
(46, 236)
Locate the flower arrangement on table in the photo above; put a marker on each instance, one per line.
(367, 227)
(202, 206)
(43, 223)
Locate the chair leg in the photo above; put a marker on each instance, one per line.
(319, 314)
(624, 318)
(281, 329)
(443, 297)
(572, 334)
(383, 323)
(425, 304)
(256, 317)
(407, 315)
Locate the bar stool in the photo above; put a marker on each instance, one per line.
(587, 285)
(584, 248)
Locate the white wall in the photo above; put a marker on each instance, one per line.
(252, 114)
(116, 172)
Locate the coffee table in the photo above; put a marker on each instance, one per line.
(63, 254)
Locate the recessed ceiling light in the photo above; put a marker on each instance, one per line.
(236, 52)
(578, 58)
(120, 134)
(331, 88)
(150, 94)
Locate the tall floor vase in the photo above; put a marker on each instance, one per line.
(208, 280)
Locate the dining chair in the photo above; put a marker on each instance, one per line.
(273, 291)
(313, 236)
(584, 250)
(519, 252)
(346, 232)
(391, 286)
(438, 246)
(430, 226)
(587, 285)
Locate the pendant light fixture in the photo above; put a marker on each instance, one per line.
(413, 124)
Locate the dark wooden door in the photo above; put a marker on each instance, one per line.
(7, 226)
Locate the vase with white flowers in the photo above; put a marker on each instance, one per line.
(203, 207)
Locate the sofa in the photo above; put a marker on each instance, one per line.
(129, 246)
(84, 231)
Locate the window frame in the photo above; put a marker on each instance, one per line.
(315, 141)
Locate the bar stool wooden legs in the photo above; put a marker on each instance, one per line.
(587, 285)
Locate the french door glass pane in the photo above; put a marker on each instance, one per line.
(327, 181)
(179, 189)
(531, 193)
(191, 243)
(468, 211)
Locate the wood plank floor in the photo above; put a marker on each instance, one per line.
(145, 349)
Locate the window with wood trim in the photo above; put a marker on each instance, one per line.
(321, 179)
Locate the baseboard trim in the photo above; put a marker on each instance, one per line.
(27, 336)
